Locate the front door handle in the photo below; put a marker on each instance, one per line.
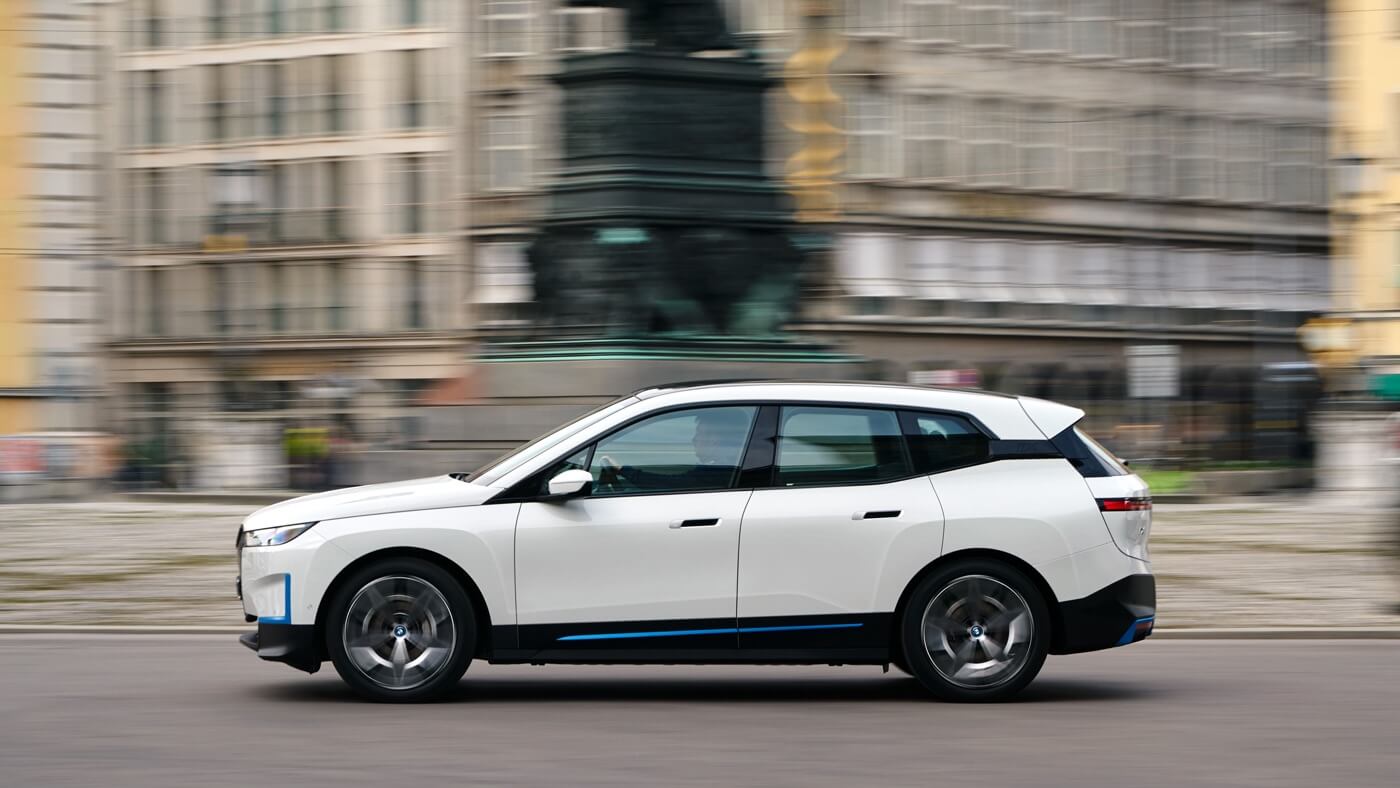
(703, 522)
(885, 514)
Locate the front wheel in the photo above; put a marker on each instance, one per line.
(975, 631)
(401, 631)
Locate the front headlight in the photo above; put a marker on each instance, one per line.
(271, 537)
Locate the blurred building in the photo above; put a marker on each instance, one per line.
(1031, 188)
(1366, 141)
(282, 195)
(49, 216)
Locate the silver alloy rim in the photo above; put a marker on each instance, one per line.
(977, 632)
(399, 632)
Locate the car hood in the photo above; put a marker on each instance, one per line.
(436, 492)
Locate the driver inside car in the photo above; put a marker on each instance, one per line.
(719, 438)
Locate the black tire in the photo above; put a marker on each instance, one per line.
(969, 683)
(361, 588)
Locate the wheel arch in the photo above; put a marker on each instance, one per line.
(478, 601)
(1051, 602)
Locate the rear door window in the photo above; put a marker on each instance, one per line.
(941, 442)
(838, 446)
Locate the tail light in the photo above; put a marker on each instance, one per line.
(1125, 504)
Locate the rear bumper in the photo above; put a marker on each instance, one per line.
(1115, 615)
(294, 645)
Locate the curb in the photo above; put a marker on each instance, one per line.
(1297, 633)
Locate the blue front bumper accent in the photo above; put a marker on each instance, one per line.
(286, 617)
(1142, 625)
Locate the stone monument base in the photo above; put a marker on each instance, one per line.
(524, 389)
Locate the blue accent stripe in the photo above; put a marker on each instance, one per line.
(801, 628)
(286, 617)
(674, 633)
(1132, 630)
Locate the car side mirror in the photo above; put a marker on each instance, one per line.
(570, 484)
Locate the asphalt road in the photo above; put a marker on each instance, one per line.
(202, 711)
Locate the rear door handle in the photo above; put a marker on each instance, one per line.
(885, 514)
(703, 522)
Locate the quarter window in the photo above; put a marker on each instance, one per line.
(690, 450)
(940, 442)
(832, 446)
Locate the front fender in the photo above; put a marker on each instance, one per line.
(478, 539)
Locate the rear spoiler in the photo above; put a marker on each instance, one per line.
(1051, 418)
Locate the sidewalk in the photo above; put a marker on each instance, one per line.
(1254, 563)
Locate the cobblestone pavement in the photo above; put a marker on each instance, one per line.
(1312, 562)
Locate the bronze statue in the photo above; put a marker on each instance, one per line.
(672, 25)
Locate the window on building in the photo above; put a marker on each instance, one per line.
(1040, 25)
(416, 210)
(1245, 149)
(1245, 35)
(1193, 33)
(1143, 30)
(1094, 135)
(508, 151)
(930, 21)
(337, 193)
(989, 141)
(157, 207)
(838, 446)
(1292, 165)
(870, 16)
(156, 116)
(157, 301)
(148, 24)
(216, 20)
(507, 27)
(1041, 142)
(757, 16)
(414, 309)
(586, 29)
(413, 84)
(338, 306)
(218, 105)
(1093, 27)
(1148, 150)
(931, 144)
(218, 299)
(987, 25)
(870, 134)
(1194, 158)
(276, 297)
(337, 96)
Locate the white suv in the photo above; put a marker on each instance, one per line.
(961, 536)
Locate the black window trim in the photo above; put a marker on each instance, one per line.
(761, 447)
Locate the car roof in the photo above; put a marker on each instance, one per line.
(1002, 413)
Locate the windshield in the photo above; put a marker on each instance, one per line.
(499, 467)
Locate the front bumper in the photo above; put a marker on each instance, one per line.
(294, 645)
(1116, 615)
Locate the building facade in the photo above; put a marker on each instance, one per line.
(1031, 188)
(1366, 139)
(289, 256)
(50, 258)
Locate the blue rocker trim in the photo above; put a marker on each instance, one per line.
(672, 633)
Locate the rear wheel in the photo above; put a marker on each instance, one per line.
(401, 630)
(975, 631)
